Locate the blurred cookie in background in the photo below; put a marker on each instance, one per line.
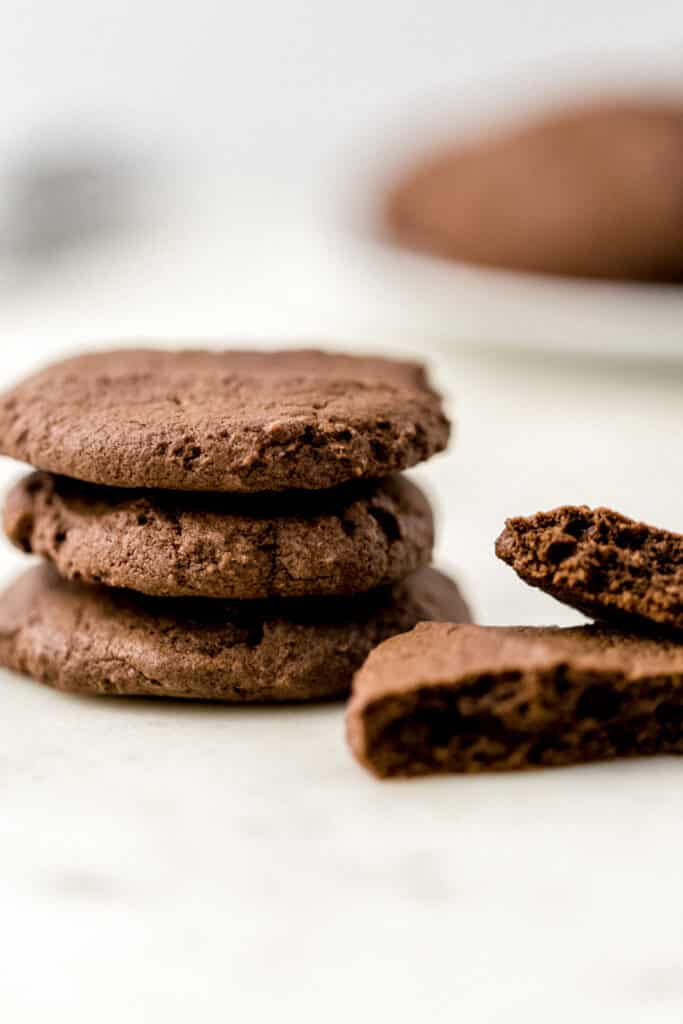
(592, 191)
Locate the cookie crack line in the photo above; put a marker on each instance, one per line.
(73, 637)
(273, 555)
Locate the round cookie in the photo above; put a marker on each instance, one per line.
(174, 544)
(223, 421)
(99, 641)
(589, 191)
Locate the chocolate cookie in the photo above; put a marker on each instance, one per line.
(174, 544)
(100, 641)
(448, 698)
(223, 421)
(600, 562)
(594, 191)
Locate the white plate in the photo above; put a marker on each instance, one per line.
(457, 303)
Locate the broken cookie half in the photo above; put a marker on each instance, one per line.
(463, 698)
(602, 563)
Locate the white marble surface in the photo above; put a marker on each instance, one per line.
(162, 862)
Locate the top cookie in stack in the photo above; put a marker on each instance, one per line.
(296, 449)
(223, 421)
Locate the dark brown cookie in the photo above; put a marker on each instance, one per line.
(600, 562)
(223, 421)
(594, 191)
(174, 544)
(447, 698)
(100, 641)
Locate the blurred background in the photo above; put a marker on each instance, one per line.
(210, 158)
(208, 173)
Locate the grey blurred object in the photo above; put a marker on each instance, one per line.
(63, 197)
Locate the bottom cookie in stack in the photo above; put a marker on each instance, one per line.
(95, 640)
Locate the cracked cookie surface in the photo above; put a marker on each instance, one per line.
(226, 421)
(174, 544)
(95, 640)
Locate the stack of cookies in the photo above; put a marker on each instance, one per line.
(219, 525)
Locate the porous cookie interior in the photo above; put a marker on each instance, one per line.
(488, 722)
(600, 562)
